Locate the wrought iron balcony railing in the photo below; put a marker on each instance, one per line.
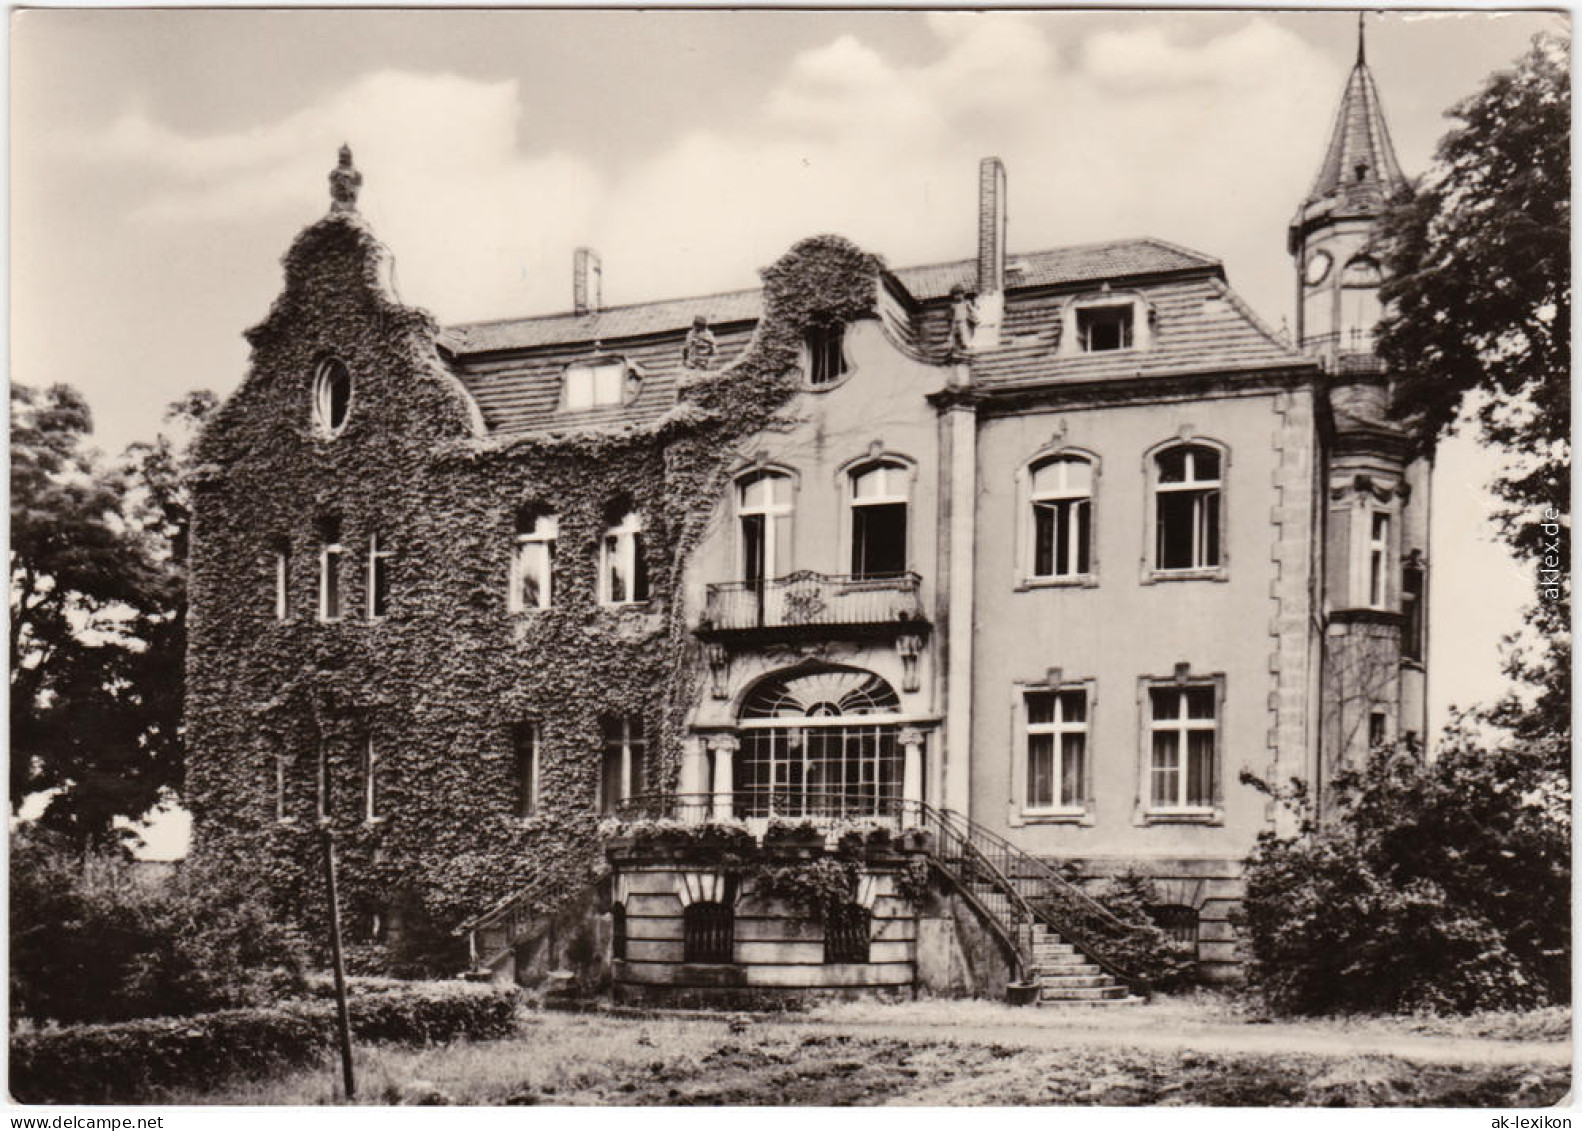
(815, 600)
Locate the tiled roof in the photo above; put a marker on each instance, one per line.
(1360, 140)
(1201, 326)
(1067, 265)
(1086, 263)
(513, 368)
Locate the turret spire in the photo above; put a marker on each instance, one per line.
(1360, 169)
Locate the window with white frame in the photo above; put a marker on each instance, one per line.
(625, 757)
(332, 395)
(623, 570)
(1061, 490)
(1378, 558)
(528, 743)
(1187, 504)
(763, 509)
(1057, 748)
(331, 553)
(282, 579)
(879, 500)
(1103, 328)
(1184, 747)
(379, 555)
(595, 384)
(533, 560)
(370, 779)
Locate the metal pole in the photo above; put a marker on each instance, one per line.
(342, 1019)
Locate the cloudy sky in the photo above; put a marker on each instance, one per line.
(163, 160)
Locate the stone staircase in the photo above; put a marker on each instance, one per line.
(1066, 975)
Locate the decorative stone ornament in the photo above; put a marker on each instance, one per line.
(699, 350)
(345, 183)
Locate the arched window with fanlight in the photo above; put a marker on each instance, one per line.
(763, 512)
(1188, 510)
(880, 494)
(1061, 494)
(820, 742)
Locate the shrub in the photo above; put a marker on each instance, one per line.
(1440, 887)
(1121, 930)
(134, 1060)
(89, 942)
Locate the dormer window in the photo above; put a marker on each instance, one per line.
(1103, 328)
(597, 384)
(825, 343)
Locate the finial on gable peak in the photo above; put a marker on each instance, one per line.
(1362, 40)
(345, 183)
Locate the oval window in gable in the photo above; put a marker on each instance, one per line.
(332, 395)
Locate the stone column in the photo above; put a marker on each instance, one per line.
(692, 805)
(723, 747)
(911, 739)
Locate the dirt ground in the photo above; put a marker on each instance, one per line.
(946, 1053)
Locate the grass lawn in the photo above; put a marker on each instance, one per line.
(838, 1056)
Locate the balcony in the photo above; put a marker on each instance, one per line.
(815, 604)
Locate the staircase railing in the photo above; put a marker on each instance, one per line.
(1049, 897)
(1012, 889)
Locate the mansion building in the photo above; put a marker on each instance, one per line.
(1037, 552)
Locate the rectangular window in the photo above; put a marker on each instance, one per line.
(590, 386)
(378, 578)
(1413, 610)
(528, 744)
(1378, 558)
(282, 580)
(826, 354)
(623, 563)
(878, 540)
(1378, 721)
(1184, 747)
(625, 757)
(370, 780)
(1061, 537)
(330, 554)
(1057, 747)
(533, 566)
(1105, 328)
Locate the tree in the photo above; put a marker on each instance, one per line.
(97, 617)
(1442, 886)
(1479, 317)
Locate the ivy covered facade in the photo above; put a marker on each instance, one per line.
(1047, 547)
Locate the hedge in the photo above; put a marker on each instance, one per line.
(135, 1060)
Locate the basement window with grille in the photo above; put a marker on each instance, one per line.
(848, 934)
(1179, 923)
(708, 932)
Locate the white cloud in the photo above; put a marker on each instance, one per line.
(1193, 142)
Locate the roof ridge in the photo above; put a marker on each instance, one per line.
(1251, 315)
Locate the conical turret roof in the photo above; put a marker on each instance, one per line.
(1360, 171)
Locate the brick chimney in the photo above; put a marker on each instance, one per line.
(587, 281)
(991, 252)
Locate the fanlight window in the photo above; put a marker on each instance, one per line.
(820, 744)
(822, 694)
